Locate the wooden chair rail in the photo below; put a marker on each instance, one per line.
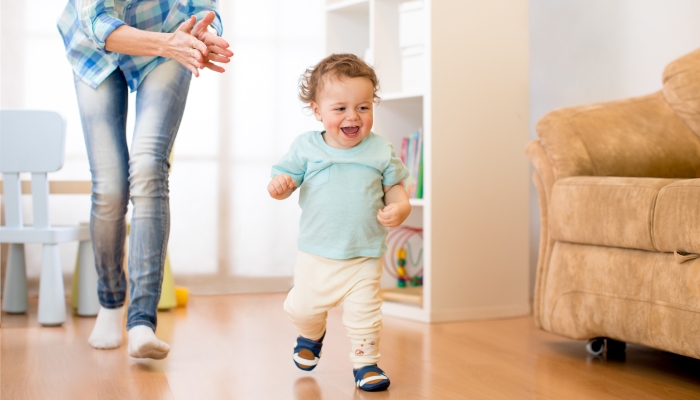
(57, 187)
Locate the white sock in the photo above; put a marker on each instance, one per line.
(143, 343)
(107, 333)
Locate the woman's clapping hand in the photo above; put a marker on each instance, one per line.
(187, 49)
(193, 46)
(217, 47)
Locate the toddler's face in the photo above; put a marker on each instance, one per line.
(345, 106)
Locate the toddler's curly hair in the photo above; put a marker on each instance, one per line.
(335, 65)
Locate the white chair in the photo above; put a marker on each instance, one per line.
(34, 141)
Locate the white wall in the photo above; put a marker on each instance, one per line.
(585, 51)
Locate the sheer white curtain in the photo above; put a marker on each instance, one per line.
(227, 235)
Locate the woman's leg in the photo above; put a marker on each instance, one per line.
(103, 115)
(160, 103)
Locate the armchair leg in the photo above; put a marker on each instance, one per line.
(52, 300)
(88, 303)
(15, 300)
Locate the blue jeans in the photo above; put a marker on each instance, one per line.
(141, 175)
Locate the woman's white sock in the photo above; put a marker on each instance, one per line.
(143, 343)
(107, 333)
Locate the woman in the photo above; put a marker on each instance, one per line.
(152, 47)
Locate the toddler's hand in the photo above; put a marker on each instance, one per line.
(389, 216)
(281, 186)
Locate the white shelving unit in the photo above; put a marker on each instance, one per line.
(417, 202)
(370, 30)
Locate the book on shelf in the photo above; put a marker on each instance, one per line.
(412, 157)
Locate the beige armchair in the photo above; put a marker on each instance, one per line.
(620, 203)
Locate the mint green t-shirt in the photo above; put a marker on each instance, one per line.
(340, 193)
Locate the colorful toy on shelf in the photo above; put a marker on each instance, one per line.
(417, 280)
(400, 262)
(401, 267)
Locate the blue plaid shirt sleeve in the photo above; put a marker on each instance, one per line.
(98, 20)
(184, 9)
(201, 7)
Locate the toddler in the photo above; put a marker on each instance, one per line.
(350, 193)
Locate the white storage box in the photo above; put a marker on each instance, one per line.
(411, 23)
(412, 69)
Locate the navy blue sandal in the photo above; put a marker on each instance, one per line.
(363, 383)
(313, 346)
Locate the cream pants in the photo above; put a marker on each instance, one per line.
(321, 284)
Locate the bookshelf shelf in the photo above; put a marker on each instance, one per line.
(408, 295)
(348, 5)
(406, 311)
(400, 96)
(417, 202)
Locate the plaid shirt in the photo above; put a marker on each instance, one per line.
(85, 25)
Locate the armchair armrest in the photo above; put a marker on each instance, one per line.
(638, 137)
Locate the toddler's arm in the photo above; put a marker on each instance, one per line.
(397, 206)
(281, 187)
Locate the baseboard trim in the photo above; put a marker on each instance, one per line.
(207, 285)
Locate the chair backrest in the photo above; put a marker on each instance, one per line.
(30, 141)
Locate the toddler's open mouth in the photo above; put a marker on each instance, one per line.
(351, 131)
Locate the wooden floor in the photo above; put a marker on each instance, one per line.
(239, 347)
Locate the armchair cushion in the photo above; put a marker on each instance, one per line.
(660, 215)
(605, 211)
(677, 217)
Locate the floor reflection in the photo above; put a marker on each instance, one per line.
(306, 388)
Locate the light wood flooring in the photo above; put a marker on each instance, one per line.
(239, 347)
